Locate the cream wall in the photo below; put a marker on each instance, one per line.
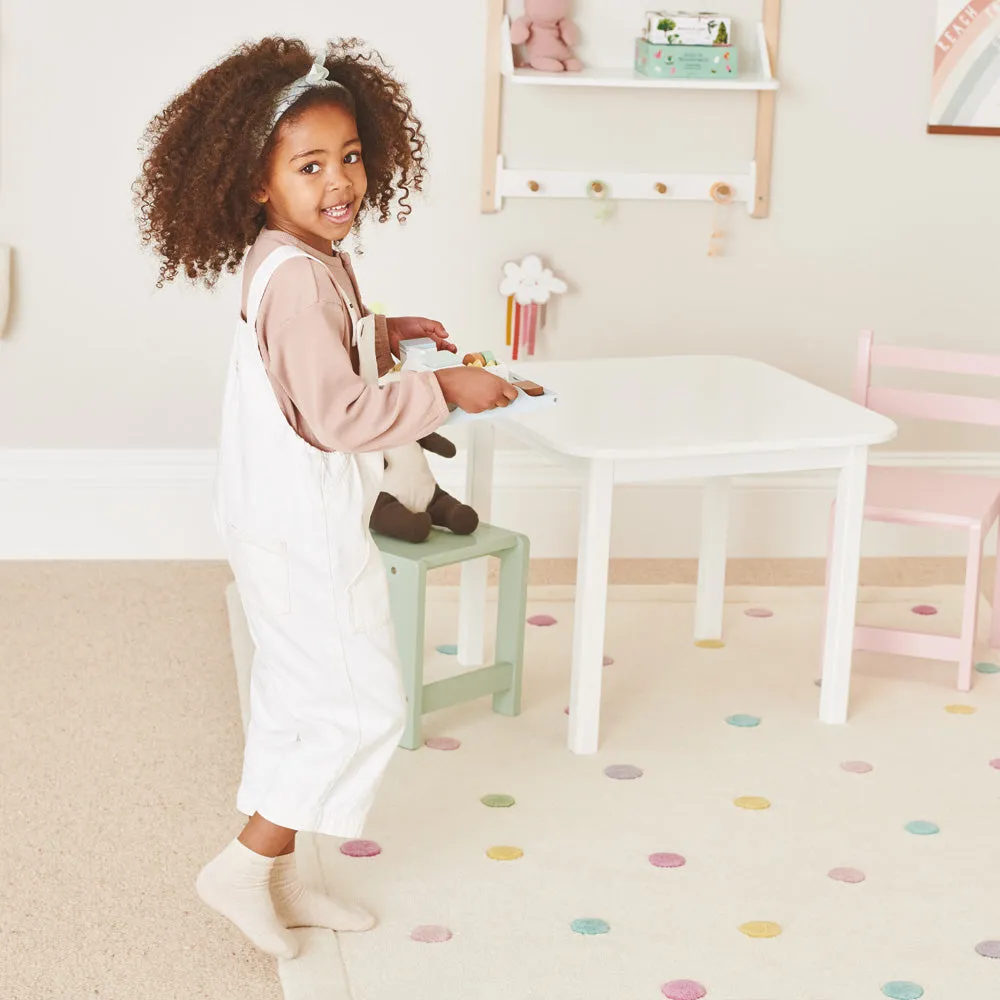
(873, 222)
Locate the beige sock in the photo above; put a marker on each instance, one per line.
(236, 884)
(298, 906)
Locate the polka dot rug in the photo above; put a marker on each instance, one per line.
(660, 886)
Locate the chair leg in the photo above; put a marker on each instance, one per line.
(970, 612)
(407, 594)
(513, 606)
(995, 627)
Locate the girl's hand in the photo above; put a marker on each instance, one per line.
(474, 389)
(415, 327)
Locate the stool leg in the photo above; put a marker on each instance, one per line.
(970, 613)
(511, 611)
(995, 627)
(407, 595)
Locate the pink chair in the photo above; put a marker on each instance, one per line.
(921, 497)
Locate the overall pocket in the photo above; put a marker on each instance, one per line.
(261, 570)
(368, 595)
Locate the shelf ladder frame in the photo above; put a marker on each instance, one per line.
(754, 187)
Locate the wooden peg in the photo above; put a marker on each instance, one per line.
(721, 193)
(597, 187)
(661, 188)
(534, 186)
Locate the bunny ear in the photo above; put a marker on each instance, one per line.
(557, 285)
(512, 269)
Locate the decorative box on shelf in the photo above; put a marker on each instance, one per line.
(664, 28)
(686, 62)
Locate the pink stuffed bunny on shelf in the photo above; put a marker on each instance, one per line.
(547, 34)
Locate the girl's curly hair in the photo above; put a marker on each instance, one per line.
(194, 198)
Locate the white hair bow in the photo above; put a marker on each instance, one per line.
(318, 76)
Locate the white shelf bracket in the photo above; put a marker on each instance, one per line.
(765, 55)
(506, 48)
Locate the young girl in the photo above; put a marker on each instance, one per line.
(274, 151)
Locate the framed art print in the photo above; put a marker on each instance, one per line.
(965, 94)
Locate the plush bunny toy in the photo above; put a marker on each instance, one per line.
(547, 35)
(411, 500)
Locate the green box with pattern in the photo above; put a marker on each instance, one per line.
(686, 62)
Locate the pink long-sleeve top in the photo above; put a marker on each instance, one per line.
(304, 335)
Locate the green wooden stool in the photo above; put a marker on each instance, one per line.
(407, 565)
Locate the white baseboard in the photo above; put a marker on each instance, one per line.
(120, 504)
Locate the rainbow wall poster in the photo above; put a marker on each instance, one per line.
(965, 95)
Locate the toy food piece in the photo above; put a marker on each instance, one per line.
(475, 360)
(529, 388)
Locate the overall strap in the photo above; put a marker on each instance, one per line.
(362, 327)
(364, 338)
(258, 286)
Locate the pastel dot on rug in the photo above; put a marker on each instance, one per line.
(430, 934)
(442, 743)
(922, 827)
(497, 801)
(590, 925)
(710, 644)
(856, 766)
(752, 802)
(760, 929)
(902, 990)
(924, 609)
(960, 709)
(743, 721)
(987, 668)
(666, 860)
(505, 853)
(995, 763)
(360, 849)
(683, 989)
(543, 621)
(609, 661)
(759, 613)
(448, 648)
(850, 875)
(623, 772)
(818, 682)
(988, 949)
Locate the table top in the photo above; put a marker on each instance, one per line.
(686, 405)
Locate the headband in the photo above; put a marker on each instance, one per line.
(287, 96)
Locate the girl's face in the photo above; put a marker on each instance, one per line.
(315, 179)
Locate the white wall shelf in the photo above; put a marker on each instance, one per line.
(761, 79)
(751, 186)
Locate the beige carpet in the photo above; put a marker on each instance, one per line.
(120, 750)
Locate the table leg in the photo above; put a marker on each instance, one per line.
(591, 607)
(842, 590)
(472, 597)
(712, 560)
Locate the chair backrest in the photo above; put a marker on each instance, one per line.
(917, 402)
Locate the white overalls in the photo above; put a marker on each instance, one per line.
(326, 696)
